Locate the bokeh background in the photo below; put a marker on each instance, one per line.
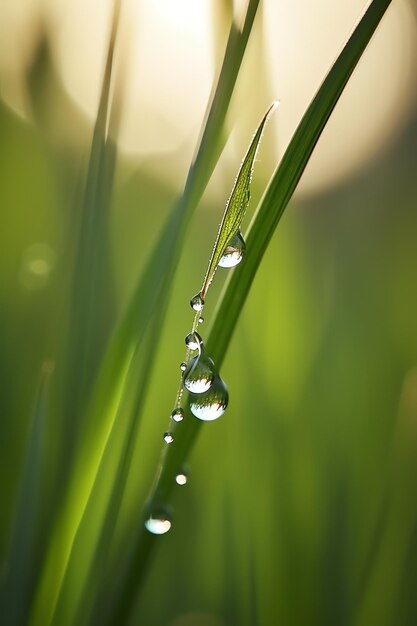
(301, 505)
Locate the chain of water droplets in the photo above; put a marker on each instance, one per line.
(198, 319)
(207, 393)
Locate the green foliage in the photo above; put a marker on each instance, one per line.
(86, 557)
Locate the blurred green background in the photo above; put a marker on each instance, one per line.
(301, 505)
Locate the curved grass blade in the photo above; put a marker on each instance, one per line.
(17, 590)
(92, 540)
(270, 210)
(236, 205)
(104, 414)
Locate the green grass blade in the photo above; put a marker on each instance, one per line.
(89, 550)
(128, 351)
(287, 175)
(236, 205)
(17, 589)
(271, 208)
(91, 294)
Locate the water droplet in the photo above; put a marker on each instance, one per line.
(234, 251)
(177, 414)
(159, 521)
(200, 373)
(181, 478)
(212, 404)
(200, 319)
(197, 302)
(193, 341)
(168, 437)
(183, 366)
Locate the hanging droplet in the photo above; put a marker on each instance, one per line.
(181, 478)
(168, 437)
(212, 404)
(177, 415)
(200, 373)
(159, 521)
(200, 319)
(183, 366)
(193, 341)
(234, 251)
(197, 302)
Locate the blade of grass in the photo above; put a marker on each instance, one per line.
(88, 555)
(389, 564)
(150, 295)
(91, 301)
(236, 205)
(22, 557)
(270, 210)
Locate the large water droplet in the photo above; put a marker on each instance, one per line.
(193, 341)
(159, 521)
(234, 251)
(168, 437)
(177, 414)
(197, 302)
(210, 405)
(200, 373)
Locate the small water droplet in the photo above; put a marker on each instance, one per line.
(211, 405)
(234, 251)
(177, 414)
(181, 478)
(183, 366)
(200, 319)
(197, 302)
(159, 521)
(168, 437)
(200, 373)
(193, 341)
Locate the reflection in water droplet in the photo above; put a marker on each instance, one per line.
(158, 522)
(181, 478)
(193, 341)
(234, 251)
(212, 404)
(168, 437)
(200, 373)
(177, 414)
(183, 366)
(200, 319)
(197, 302)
